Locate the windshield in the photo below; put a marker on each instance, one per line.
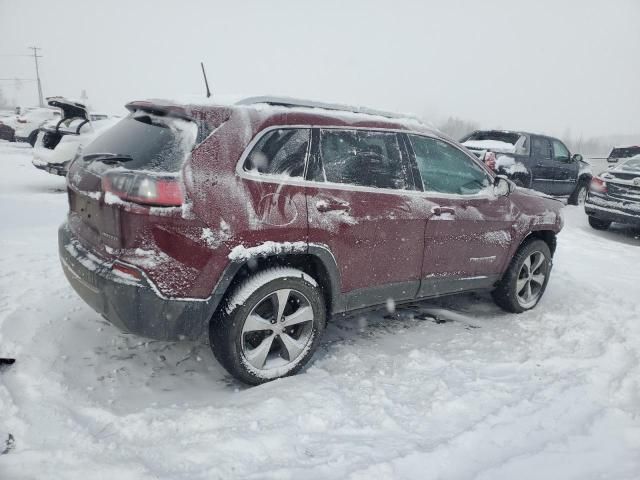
(632, 164)
(153, 142)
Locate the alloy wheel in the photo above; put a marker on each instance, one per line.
(278, 330)
(531, 279)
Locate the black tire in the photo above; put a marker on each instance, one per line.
(506, 292)
(33, 136)
(581, 188)
(227, 336)
(599, 224)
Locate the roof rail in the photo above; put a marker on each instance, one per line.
(296, 102)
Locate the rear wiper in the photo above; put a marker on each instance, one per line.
(108, 158)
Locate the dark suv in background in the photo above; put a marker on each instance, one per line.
(256, 221)
(534, 161)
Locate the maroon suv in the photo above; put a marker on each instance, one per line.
(255, 222)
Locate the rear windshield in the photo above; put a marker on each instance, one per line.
(506, 137)
(154, 143)
(624, 152)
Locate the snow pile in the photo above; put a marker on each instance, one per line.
(509, 165)
(494, 145)
(242, 253)
(214, 239)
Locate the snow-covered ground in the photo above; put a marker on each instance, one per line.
(553, 393)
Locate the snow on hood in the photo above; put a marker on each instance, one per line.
(495, 145)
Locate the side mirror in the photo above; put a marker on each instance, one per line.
(502, 186)
(576, 157)
(612, 160)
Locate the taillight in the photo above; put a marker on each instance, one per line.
(598, 185)
(144, 188)
(121, 268)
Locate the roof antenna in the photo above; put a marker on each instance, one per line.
(206, 82)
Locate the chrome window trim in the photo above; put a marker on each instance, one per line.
(302, 182)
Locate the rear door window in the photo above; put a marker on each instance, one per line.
(280, 152)
(362, 157)
(447, 169)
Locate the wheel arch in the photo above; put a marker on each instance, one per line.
(317, 261)
(547, 236)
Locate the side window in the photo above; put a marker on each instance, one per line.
(280, 152)
(446, 169)
(362, 157)
(560, 152)
(541, 147)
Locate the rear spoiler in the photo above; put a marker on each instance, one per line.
(161, 109)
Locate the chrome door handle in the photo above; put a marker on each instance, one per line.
(329, 205)
(441, 210)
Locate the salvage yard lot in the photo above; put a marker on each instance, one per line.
(450, 389)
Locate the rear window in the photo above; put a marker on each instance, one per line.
(154, 143)
(505, 137)
(627, 152)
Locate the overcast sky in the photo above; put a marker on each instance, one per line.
(546, 65)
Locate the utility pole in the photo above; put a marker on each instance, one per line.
(36, 57)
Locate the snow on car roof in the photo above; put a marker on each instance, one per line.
(279, 104)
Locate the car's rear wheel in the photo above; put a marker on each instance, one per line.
(271, 326)
(599, 224)
(33, 137)
(525, 281)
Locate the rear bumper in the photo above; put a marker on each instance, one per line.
(131, 305)
(611, 213)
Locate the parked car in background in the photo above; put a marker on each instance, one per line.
(614, 195)
(7, 130)
(256, 221)
(28, 122)
(59, 140)
(621, 153)
(533, 161)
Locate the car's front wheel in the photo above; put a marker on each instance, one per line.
(599, 224)
(579, 195)
(526, 279)
(271, 326)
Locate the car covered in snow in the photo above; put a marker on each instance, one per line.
(28, 122)
(622, 153)
(59, 140)
(7, 130)
(255, 222)
(614, 195)
(533, 161)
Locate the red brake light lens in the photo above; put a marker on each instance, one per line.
(127, 270)
(145, 188)
(598, 185)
